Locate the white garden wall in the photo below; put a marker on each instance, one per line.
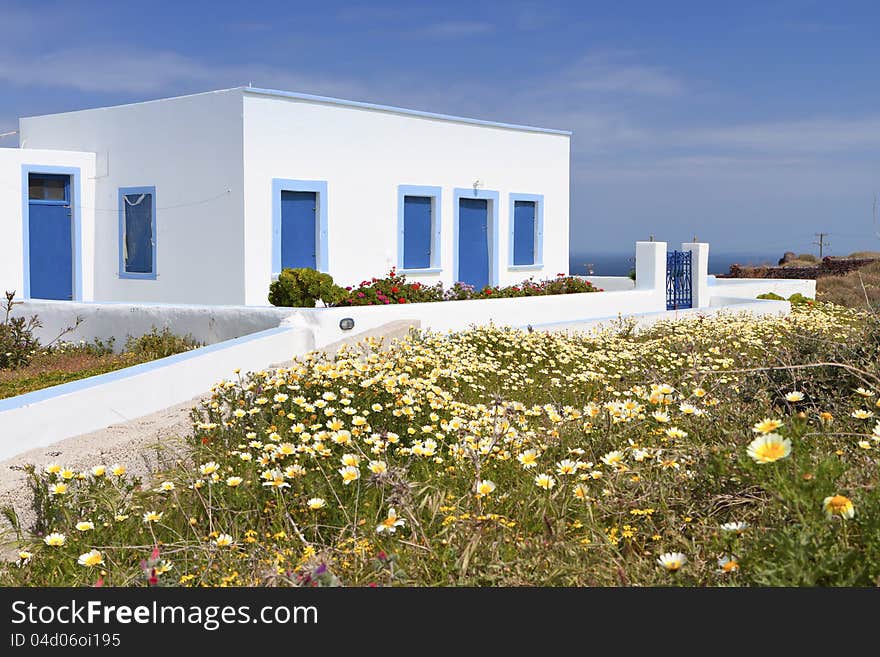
(46, 416)
(752, 287)
(365, 154)
(13, 195)
(189, 149)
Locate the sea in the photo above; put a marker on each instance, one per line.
(621, 264)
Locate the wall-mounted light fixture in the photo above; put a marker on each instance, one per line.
(346, 323)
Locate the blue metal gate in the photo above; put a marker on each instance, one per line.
(678, 280)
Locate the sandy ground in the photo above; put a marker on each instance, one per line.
(140, 444)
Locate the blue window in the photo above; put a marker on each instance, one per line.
(137, 232)
(418, 245)
(526, 231)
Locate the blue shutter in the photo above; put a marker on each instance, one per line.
(524, 233)
(138, 233)
(416, 232)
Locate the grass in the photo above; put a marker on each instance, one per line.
(724, 451)
(68, 362)
(857, 289)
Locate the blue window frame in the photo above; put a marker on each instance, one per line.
(137, 232)
(526, 232)
(491, 198)
(419, 229)
(319, 188)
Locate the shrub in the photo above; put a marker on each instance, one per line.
(159, 344)
(394, 288)
(772, 296)
(301, 288)
(18, 344)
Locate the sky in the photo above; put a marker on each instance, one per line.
(750, 125)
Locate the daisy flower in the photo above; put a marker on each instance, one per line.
(672, 561)
(391, 523)
(735, 527)
(85, 525)
(223, 540)
(727, 564)
(91, 558)
(55, 539)
(769, 448)
(545, 481)
(838, 505)
(794, 396)
(349, 474)
(316, 503)
(485, 487)
(767, 426)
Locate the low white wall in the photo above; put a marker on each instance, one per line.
(458, 315)
(611, 283)
(752, 287)
(207, 324)
(46, 416)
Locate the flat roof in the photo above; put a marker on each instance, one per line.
(400, 110)
(342, 102)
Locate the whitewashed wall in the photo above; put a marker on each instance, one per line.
(364, 155)
(11, 212)
(189, 148)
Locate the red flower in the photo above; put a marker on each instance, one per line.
(395, 289)
(401, 300)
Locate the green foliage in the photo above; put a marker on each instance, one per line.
(796, 299)
(158, 344)
(645, 434)
(302, 288)
(18, 344)
(772, 296)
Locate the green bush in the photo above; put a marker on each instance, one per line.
(772, 296)
(159, 344)
(301, 288)
(17, 341)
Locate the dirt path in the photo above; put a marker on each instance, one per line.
(139, 444)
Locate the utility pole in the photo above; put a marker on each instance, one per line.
(821, 242)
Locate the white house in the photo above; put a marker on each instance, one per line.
(203, 198)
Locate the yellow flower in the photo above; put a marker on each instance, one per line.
(223, 540)
(766, 426)
(120, 517)
(91, 558)
(99, 471)
(769, 448)
(566, 467)
(209, 468)
(153, 516)
(727, 565)
(55, 539)
(352, 460)
(274, 479)
(485, 487)
(67, 474)
(613, 458)
(378, 467)
(53, 468)
(838, 505)
(391, 523)
(545, 481)
(166, 486)
(58, 489)
(85, 525)
(349, 474)
(794, 396)
(117, 470)
(234, 482)
(862, 414)
(672, 561)
(316, 503)
(528, 459)
(24, 556)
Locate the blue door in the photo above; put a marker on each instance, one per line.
(50, 237)
(524, 233)
(473, 242)
(299, 239)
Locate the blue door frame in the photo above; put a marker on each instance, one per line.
(52, 240)
(470, 242)
(282, 203)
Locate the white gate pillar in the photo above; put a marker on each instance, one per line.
(699, 272)
(651, 270)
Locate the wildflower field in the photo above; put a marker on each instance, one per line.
(714, 452)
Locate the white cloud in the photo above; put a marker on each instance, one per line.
(819, 135)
